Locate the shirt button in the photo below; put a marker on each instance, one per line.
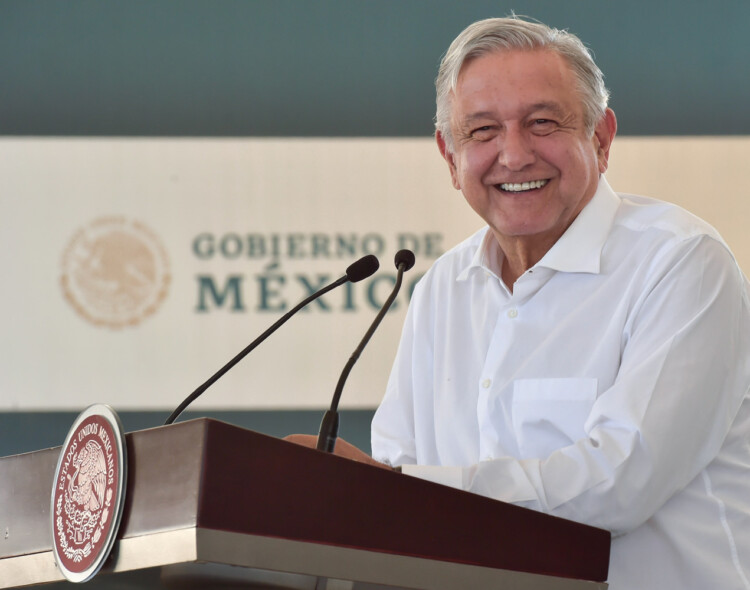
(512, 313)
(486, 383)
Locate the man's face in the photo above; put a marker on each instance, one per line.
(522, 156)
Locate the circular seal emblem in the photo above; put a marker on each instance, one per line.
(115, 272)
(88, 493)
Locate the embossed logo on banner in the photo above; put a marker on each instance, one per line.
(115, 272)
(88, 493)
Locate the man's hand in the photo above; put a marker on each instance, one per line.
(342, 449)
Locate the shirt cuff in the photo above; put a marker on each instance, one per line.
(447, 476)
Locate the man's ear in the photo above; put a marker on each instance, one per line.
(604, 134)
(449, 158)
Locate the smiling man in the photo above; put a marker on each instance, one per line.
(587, 354)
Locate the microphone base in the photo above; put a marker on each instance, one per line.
(328, 432)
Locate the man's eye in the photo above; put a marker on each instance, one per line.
(544, 122)
(483, 132)
(543, 126)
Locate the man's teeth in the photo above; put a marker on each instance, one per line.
(522, 186)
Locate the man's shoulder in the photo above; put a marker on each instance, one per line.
(646, 214)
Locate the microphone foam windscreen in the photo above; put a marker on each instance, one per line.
(405, 257)
(363, 268)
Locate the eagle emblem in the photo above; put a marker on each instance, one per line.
(86, 486)
(85, 493)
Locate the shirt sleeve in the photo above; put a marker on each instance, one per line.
(683, 374)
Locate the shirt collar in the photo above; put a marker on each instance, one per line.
(487, 257)
(578, 249)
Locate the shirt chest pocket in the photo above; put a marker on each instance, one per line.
(550, 413)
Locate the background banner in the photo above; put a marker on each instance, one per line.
(135, 268)
(140, 266)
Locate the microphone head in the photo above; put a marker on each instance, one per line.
(405, 257)
(363, 268)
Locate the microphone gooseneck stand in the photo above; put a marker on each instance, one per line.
(361, 269)
(329, 426)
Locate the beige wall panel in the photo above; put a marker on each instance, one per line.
(59, 196)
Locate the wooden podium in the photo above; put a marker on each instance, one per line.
(203, 496)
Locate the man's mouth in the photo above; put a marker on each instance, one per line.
(519, 187)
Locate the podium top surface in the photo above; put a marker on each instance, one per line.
(211, 475)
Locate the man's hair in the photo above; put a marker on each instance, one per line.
(504, 34)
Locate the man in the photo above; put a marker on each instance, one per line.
(586, 354)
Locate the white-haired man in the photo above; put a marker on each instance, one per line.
(587, 353)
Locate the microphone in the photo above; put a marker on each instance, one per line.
(355, 272)
(329, 426)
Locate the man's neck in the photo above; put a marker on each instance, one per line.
(520, 254)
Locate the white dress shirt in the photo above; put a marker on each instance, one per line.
(608, 388)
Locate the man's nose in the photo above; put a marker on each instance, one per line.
(515, 151)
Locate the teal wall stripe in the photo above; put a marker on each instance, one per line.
(22, 432)
(340, 68)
